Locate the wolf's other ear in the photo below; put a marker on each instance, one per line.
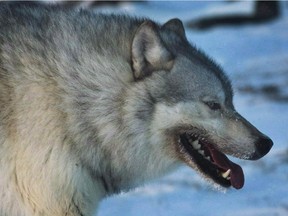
(176, 26)
(148, 51)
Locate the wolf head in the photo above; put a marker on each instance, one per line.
(193, 112)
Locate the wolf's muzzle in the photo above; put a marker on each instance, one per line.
(263, 146)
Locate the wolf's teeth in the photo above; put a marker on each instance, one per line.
(196, 145)
(226, 174)
(201, 152)
(208, 158)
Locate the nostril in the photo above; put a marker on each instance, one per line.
(263, 146)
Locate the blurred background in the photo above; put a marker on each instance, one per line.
(249, 40)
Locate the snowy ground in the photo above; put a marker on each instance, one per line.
(256, 59)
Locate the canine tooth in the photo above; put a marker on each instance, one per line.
(201, 152)
(196, 145)
(208, 158)
(226, 174)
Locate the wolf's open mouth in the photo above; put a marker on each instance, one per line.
(212, 162)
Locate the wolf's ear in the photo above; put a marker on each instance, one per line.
(176, 26)
(148, 51)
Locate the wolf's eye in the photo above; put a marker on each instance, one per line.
(213, 105)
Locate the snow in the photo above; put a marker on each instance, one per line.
(253, 56)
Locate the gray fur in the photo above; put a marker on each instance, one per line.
(90, 107)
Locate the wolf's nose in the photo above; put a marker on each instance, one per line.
(263, 146)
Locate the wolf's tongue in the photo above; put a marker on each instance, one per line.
(221, 161)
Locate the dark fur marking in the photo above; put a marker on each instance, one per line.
(77, 208)
(104, 183)
(146, 114)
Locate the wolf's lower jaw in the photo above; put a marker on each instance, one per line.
(212, 162)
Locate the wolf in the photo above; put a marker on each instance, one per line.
(95, 104)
